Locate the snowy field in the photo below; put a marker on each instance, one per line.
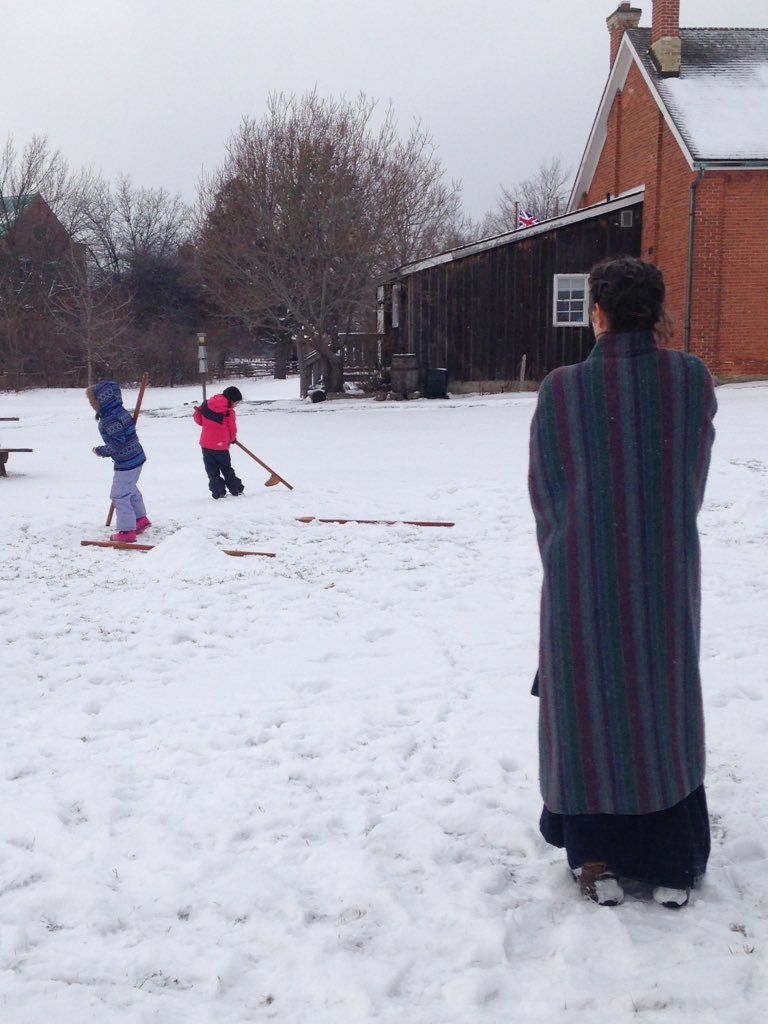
(304, 789)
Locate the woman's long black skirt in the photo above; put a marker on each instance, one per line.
(669, 847)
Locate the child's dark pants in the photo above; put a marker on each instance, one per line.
(221, 476)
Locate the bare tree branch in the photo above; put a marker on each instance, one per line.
(543, 195)
(311, 204)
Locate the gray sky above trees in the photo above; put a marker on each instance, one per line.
(153, 88)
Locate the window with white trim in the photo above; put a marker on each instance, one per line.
(570, 300)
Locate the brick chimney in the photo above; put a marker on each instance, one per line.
(623, 17)
(665, 37)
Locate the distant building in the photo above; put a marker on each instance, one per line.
(30, 230)
(37, 259)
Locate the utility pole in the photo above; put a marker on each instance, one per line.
(202, 360)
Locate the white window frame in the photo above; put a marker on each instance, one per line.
(584, 321)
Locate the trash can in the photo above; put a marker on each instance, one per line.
(405, 372)
(436, 383)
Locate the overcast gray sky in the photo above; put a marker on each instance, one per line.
(153, 88)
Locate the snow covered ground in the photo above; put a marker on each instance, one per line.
(304, 789)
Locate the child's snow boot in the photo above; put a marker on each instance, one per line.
(142, 524)
(124, 536)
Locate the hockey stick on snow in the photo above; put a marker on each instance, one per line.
(372, 522)
(274, 478)
(122, 546)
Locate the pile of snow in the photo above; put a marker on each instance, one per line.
(188, 555)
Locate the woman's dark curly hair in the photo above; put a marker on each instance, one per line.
(631, 294)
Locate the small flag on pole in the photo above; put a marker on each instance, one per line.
(525, 219)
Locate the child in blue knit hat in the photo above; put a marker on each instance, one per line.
(121, 444)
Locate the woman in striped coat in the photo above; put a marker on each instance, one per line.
(620, 449)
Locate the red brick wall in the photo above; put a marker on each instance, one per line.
(734, 213)
(729, 316)
(39, 234)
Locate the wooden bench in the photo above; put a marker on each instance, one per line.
(5, 452)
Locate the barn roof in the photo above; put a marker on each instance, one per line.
(630, 198)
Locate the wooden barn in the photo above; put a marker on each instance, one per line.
(512, 306)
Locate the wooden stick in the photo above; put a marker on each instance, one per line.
(274, 477)
(136, 411)
(372, 522)
(148, 547)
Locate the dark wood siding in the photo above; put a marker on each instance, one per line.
(477, 315)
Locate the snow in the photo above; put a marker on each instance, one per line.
(304, 788)
(721, 114)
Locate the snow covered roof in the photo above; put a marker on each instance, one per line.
(717, 108)
(720, 101)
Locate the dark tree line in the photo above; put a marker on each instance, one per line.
(310, 207)
(96, 279)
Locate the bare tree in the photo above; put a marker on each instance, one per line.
(424, 212)
(310, 204)
(38, 170)
(125, 224)
(92, 310)
(135, 242)
(543, 195)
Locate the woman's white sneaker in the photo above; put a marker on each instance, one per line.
(672, 898)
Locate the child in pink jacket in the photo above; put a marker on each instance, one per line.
(217, 418)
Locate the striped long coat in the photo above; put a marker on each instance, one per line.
(620, 449)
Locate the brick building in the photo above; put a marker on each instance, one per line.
(30, 229)
(38, 259)
(684, 116)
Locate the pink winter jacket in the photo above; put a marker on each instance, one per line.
(219, 423)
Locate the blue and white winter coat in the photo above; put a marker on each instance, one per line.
(116, 427)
